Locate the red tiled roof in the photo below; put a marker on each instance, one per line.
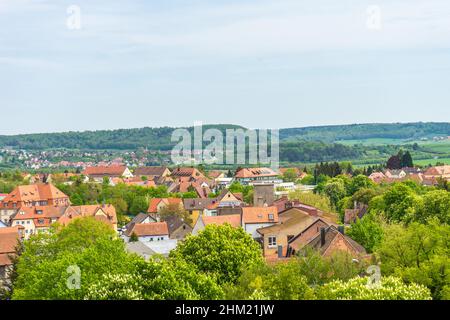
(150, 229)
(259, 214)
(255, 172)
(8, 243)
(233, 219)
(105, 170)
(34, 192)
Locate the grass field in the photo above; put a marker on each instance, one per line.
(424, 162)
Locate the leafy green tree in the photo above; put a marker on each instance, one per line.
(417, 253)
(367, 231)
(435, 204)
(220, 250)
(359, 182)
(389, 288)
(407, 160)
(139, 204)
(290, 175)
(48, 261)
(335, 190)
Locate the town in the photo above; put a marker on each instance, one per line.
(287, 213)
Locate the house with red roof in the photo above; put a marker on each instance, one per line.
(114, 171)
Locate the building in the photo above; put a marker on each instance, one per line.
(178, 228)
(200, 207)
(263, 194)
(31, 196)
(254, 218)
(157, 204)
(37, 219)
(148, 232)
(330, 240)
(234, 220)
(9, 239)
(100, 172)
(438, 172)
(105, 213)
(152, 173)
(293, 223)
(247, 176)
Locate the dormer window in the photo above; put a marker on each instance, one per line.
(271, 217)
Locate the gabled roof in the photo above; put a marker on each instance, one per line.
(259, 215)
(199, 203)
(150, 171)
(297, 218)
(255, 172)
(34, 192)
(39, 212)
(95, 211)
(330, 234)
(9, 238)
(187, 172)
(233, 219)
(174, 222)
(149, 229)
(105, 170)
(154, 202)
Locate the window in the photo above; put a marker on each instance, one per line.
(271, 217)
(272, 242)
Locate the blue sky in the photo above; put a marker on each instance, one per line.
(257, 63)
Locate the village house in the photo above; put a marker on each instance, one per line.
(233, 219)
(99, 172)
(247, 176)
(299, 173)
(330, 240)
(9, 239)
(157, 204)
(438, 172)
(31, 196)
(37, 219)
(293, 224)
(178, 228)
(254, 218)
(148, 232)
(152, 173)
(105, 213)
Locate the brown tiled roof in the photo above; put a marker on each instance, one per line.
(35, 192)
(39, 212)
(255, 172)
(105, 170)
(8, 241)
(149, 229)
(259, 215)
(233, 219)
(199, 203)
(74, 212)
(150, 171)
(330, 233)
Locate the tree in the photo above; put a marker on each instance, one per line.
(389, 288)
(134, 237)
(394, 162)
(139, 204)
(290, 175)
(174, 209)
(435, 204)
(220, 250)
(417, 253)
(335, 190)
(50, 262)
(407, 161)
(359, 182)
(367, 231)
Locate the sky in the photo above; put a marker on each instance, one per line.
(106, 64)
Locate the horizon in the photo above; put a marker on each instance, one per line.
(229, 124)
(89, 65)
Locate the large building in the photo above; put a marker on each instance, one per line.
(256, 175)
(99, 172)
(29, 196)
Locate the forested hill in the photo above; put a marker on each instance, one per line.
(159, 138)
(412, 131)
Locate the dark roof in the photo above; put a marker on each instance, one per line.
(330, 233)
(149, 171)
(174, 222)
(198, 203)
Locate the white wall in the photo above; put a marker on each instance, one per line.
(252, 227)
(153, 238)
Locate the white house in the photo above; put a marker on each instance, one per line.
(148, 232)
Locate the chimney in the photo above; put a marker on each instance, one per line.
(280, 251)
(322, 237)
(341, 229)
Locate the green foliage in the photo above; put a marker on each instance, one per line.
(389, 288)
(290, 175)
(222, 251)
(139, 204)
(418, 253)
(367, 231)
(85, 243)
(317, 200)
